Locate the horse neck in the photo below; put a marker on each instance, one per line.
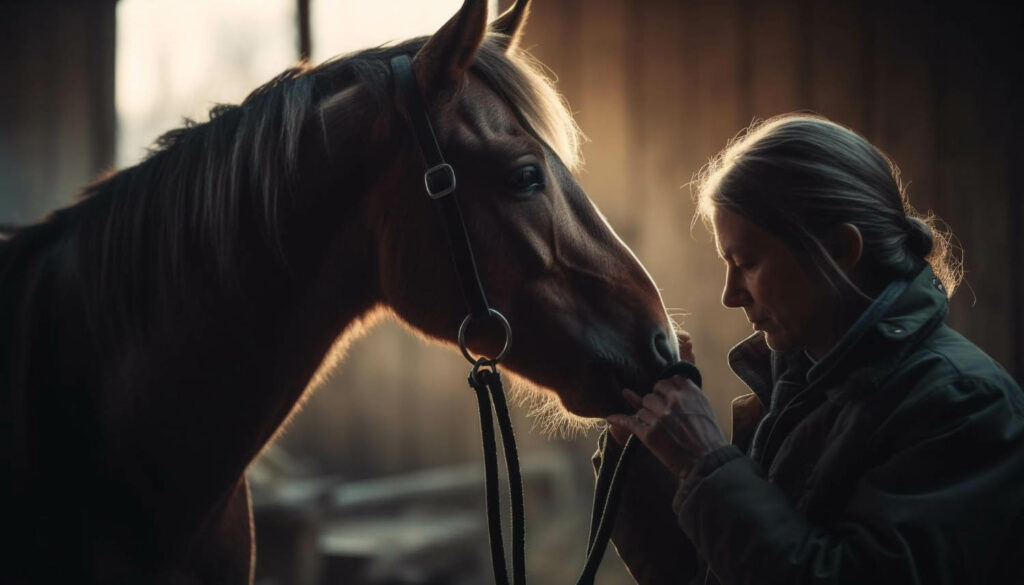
(222, 373)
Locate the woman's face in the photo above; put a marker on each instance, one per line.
(786, 300)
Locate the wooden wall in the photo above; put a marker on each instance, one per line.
(660, 86)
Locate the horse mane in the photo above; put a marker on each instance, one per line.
(203, 183)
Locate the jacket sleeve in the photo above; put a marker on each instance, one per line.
(645, 536)
(941, 502)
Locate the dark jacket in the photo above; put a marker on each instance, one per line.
(898, 458)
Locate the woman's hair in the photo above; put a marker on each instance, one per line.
(798, 176)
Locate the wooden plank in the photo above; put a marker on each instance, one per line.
(903, 105)
(835, 72)
(770, 45)
(687, 110)
(1015, 181)
(101, 55)
(974, 118)
(550, 36)
(56, 124)
(305, 36)
(602, 110)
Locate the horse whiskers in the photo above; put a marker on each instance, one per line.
(550, 419)
(675, 319)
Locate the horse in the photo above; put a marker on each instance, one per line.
(158, 332)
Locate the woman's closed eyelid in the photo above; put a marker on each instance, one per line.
(739, 264)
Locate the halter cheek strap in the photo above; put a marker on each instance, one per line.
(439, 182)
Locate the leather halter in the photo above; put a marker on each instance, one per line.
(439, 182)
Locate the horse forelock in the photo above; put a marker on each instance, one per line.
(525, 84)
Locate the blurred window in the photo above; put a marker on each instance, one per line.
(178, 58)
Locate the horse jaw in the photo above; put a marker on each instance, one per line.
(544, 407)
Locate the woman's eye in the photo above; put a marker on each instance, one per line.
(526, 179)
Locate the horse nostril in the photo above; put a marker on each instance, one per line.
(663, 350)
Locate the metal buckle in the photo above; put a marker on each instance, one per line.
(450, 172)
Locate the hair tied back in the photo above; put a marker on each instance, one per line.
(920, 239)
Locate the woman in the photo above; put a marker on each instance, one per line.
(878, 445)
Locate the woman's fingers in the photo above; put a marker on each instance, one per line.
(619, 434)
(639, 423)
(633, 398)
(647, 417)
(627, 422)
(671, 389)
(656, 404)
(685, 346)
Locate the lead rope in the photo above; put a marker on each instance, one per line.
(606, 505)
(486, 382)
(489, 390)
(609, 483)
(440, 183)
(479, 382)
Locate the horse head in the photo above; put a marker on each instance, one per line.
(586, 316)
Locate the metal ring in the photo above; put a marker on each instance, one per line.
(508, 336)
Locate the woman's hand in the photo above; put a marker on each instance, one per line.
(620, 434)
(675, 421)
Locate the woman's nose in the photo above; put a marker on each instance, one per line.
(733, 296)
(730, 298)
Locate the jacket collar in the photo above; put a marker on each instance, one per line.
(894, 323)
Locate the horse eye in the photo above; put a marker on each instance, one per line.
(526, 179)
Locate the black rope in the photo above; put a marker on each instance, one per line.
(608, 507)
(490, 479)
(515, 479)
(607, 491)
(600, 490)
(609, 483)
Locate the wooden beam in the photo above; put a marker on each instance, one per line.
(305, 38)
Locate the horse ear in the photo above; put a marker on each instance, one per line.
(510, 24)
(447, 55)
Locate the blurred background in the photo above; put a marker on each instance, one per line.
(378, 479)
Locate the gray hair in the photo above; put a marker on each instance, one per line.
(797, 176)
